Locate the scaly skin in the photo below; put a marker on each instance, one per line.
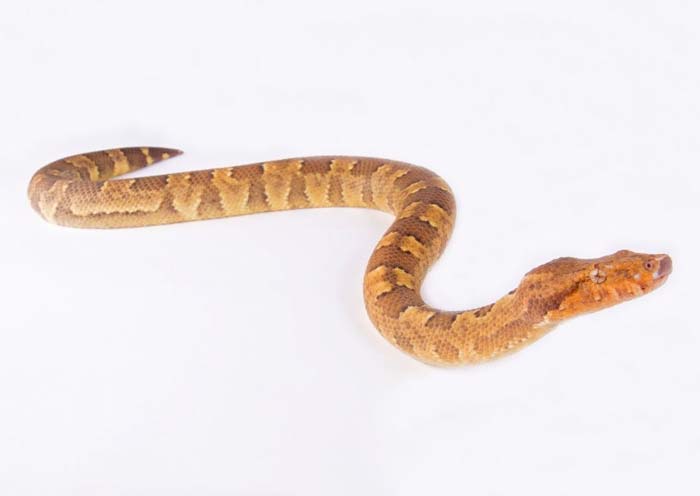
(78, 191)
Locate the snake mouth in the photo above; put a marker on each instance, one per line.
(665, 268)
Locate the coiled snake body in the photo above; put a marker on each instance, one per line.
(78, 191)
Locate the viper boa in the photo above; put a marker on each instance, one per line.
(79, 191)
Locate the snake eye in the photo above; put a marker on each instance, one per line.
(597, 276)
(649, 265)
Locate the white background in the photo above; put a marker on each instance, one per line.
(235, 357)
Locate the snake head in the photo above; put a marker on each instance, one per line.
(567, 287)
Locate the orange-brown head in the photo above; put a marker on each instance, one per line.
(567, 287)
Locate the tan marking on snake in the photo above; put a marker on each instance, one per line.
(377, 283)
(386, 174)
(278, 180)
(121, 163)
(233, 193)
(411, 210)
(49, 201)
(147, 153)
(410, 189)
(351, 189)
(403, 278)
(435, 216)
(78, 191)
(416, 316)
(317, 189)
(411, 245)
(389, 239)
(186, 196)
(85, 163)
(115, 197)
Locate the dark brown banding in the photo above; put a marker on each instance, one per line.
(105, 165)
(432, 195)
(413, 176)
(397, 300)
(441, 319)
(150, 183)
(421, 230)
(257, 199)
(160, 153)
(319, 165)
(79, 166)
(540, 305)
(167, 206)
(135, 157)
(210, 198)
(392, 256)
(366, 168)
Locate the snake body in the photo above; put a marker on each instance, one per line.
(79, 191)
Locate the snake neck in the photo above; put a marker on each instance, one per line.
(453, 337)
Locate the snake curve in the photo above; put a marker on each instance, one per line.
(79, 191)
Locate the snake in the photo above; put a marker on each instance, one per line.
(80, 191)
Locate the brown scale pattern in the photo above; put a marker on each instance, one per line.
(79, 191)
